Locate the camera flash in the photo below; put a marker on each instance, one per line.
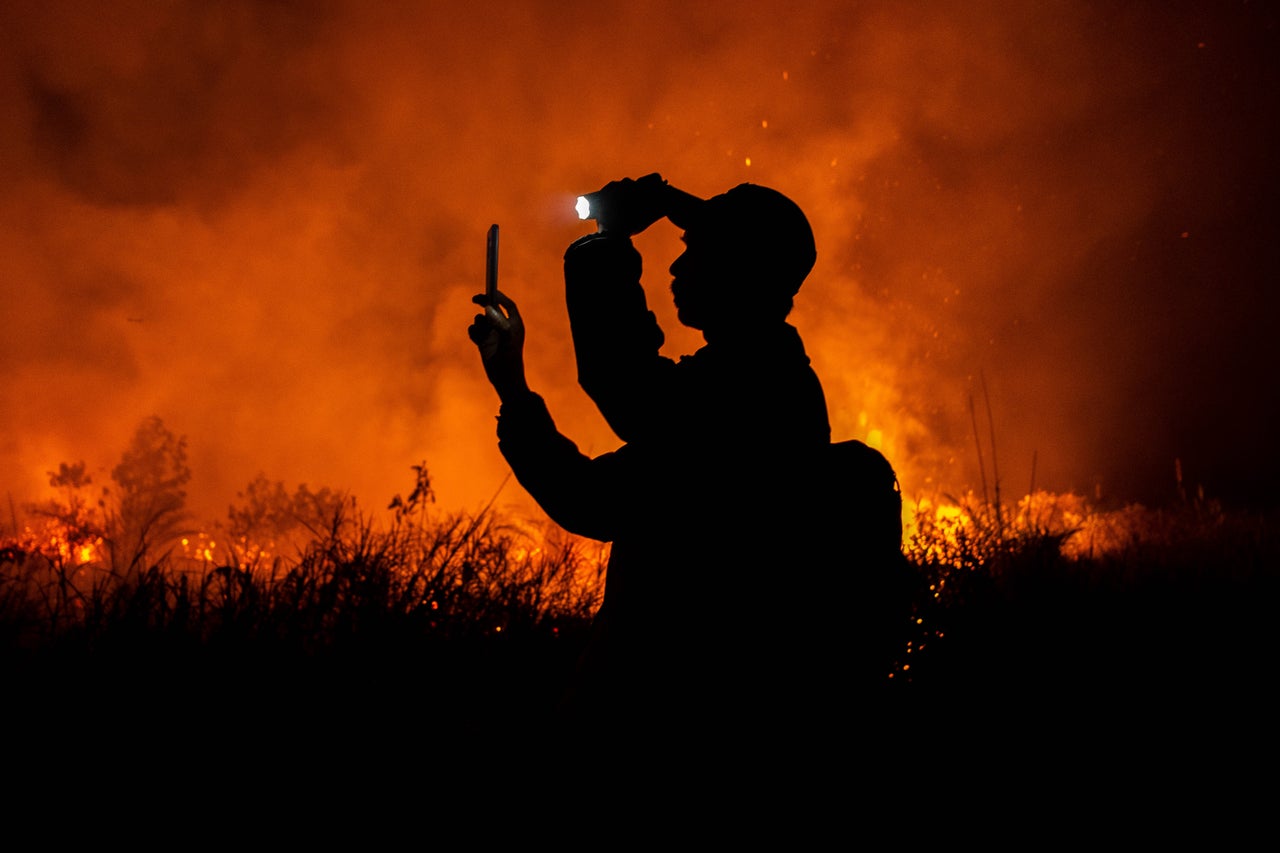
(583, 207)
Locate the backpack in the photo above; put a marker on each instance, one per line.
(862, 486)
(868, 580)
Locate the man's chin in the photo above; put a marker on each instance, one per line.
(690, 320)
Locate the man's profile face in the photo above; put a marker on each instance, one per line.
(701, 279)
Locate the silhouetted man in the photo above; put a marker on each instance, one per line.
(713, 602)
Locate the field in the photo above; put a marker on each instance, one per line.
(477, 617)
(305, 625)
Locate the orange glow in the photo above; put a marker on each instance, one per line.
(61, 544)
(202, 548)
(263, 224)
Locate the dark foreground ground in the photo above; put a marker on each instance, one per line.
(1089, 686)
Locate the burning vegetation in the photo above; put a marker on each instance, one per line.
(309, 559)
(999, 591)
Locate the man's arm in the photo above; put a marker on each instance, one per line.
(616, 337)
(579, 493)
(582, 495)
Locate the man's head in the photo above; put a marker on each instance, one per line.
(748, 251)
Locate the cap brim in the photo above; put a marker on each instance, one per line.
(685, 210)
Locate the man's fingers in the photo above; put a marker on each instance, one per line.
(497, 318)
(501, 299)
(508, 303)
(478, 329)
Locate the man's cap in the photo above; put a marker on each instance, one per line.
(770, 228)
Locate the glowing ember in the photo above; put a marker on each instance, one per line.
(201, 548)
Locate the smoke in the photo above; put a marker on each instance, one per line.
(263, 221)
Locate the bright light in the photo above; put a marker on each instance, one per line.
(583, 207)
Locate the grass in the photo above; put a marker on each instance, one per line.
(1177, 607)
(426, 628)
(996, 608)
(455, 621)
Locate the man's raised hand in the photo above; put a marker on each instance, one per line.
(498, 334)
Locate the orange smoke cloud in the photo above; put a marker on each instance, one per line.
(263, 222)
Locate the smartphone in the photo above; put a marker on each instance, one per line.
(491, 267)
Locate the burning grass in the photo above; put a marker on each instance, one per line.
(421, 580)
(417, 612)
(1082, 607)
(301, 604)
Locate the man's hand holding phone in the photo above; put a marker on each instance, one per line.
(498, 333)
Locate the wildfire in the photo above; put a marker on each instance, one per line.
(953, 532)
(201, 547)
(61, 544)
(938, 531)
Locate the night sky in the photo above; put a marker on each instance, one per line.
(263, 222)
